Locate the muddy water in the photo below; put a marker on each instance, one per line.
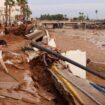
(97, 37)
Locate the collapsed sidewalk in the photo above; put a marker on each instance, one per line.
(20, 87)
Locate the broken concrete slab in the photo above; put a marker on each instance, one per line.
(36, 35)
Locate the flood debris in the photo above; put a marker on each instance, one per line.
(38, 84)
(20, 30)
(28, 90)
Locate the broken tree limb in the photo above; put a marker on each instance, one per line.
(94, 72)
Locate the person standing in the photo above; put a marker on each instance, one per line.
(3, 43)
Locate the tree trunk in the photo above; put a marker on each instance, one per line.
(6, 15)
(9, 14)
(23, 13)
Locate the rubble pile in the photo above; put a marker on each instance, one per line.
(27, 83)
(21, 30)
(33, 85)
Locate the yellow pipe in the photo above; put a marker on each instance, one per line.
(68, 85)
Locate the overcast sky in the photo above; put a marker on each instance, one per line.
(69, 7)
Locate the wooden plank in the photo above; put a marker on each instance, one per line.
(85, 87)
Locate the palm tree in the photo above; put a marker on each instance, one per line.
(25, 10)
(22, 4)
(96, 12)
(28, 12)
(11, 3)
(81, 16)
(8, 4)
(0, 15)
(6, 12)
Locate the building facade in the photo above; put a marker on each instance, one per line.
(15, 10)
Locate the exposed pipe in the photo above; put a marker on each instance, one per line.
(94, 72)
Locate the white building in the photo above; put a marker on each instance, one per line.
(14, 11)
(2, 3)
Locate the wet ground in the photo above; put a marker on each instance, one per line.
(97, 37)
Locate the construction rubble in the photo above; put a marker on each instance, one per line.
(37, 77)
